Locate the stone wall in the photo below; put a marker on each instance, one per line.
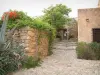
(87, 20)
(35, 42)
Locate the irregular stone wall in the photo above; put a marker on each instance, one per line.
(35, 42)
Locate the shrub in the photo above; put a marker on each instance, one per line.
(95, 47)
(10, 59)
(88, 51)
(30, 62)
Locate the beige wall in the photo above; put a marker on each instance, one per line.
(99, 3)
(35, 42)
(87, 20)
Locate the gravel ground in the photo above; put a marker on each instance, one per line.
(64, 62)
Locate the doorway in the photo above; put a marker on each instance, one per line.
(96, 35)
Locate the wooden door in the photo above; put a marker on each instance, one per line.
(96, 35)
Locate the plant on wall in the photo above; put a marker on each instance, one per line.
(20, 19)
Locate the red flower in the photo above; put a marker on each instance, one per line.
(12, 15)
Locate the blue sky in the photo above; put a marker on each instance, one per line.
(35, 7)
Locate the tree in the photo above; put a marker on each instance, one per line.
(73, 28)
(57, 15)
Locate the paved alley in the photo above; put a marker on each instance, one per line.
(64, 61)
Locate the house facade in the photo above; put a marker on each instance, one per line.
(89, 24)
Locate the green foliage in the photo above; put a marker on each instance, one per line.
(24, 20)
(10, 58)
(88, 51)
(83, 51)
(95, 47)
(51, 37)
(72, 22)
(30, 62)
(39, 24)
(57, 15)
(0, 22)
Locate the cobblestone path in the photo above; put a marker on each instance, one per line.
(64, 62)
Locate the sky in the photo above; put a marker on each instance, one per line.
(35, 7)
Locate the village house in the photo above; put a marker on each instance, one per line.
(89, 24)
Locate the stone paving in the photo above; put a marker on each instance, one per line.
(64, 62)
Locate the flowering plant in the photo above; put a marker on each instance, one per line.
(12, 15)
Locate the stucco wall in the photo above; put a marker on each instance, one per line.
(35, 42)
(87, 20)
